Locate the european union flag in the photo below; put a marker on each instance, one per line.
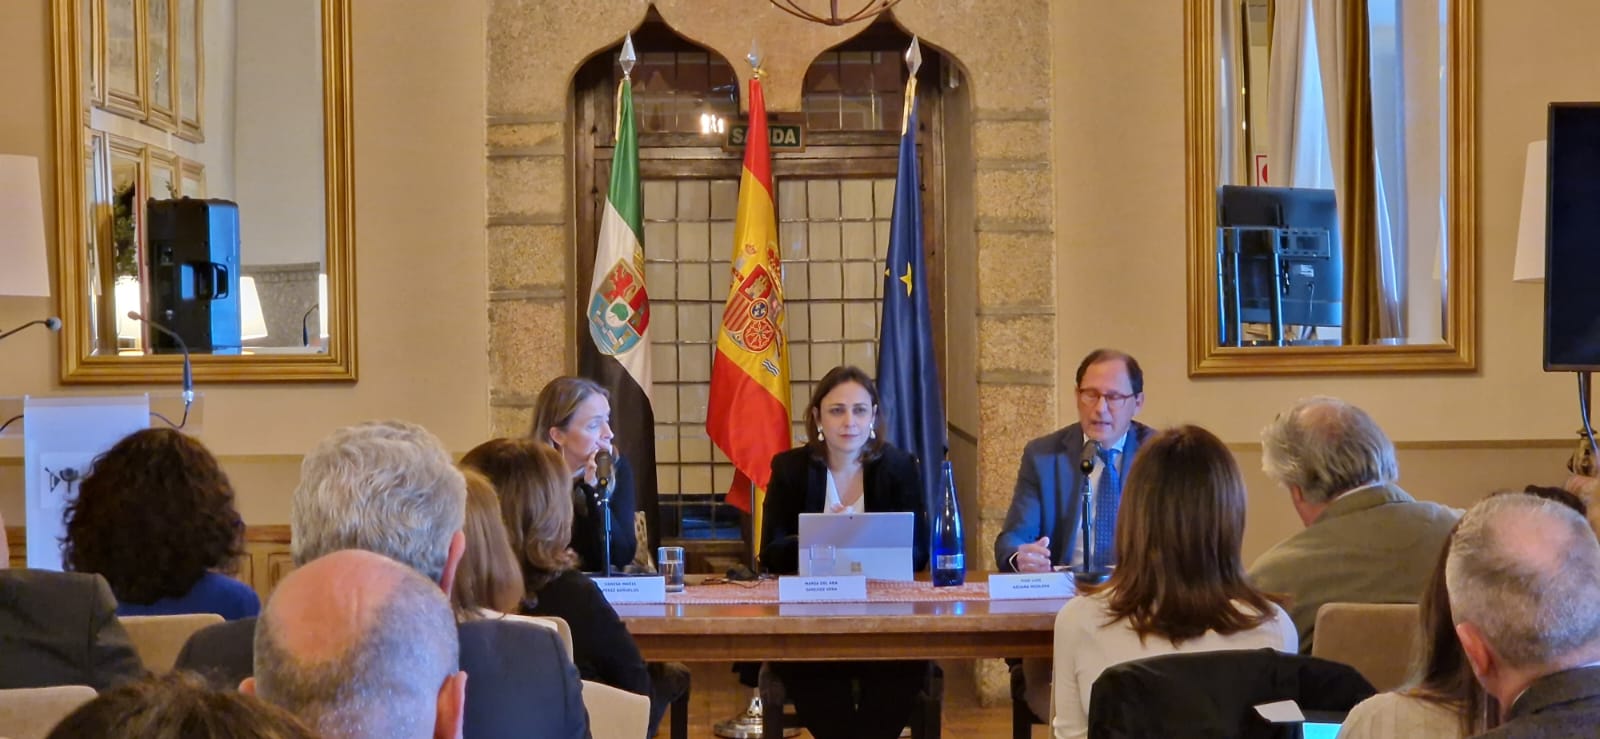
(908, 377)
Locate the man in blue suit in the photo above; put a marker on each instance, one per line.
(1041, 526)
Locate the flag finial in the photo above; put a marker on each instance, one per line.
(754, 57)
(914, 56)
(627, 57)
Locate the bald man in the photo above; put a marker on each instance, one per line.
(1524, 581)
(361, 647)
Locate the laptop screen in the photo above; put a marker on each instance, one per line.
(1322, 724)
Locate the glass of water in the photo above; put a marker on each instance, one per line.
(669, 564)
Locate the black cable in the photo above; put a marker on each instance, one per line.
(1583, 410)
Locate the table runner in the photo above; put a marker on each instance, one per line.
(885, 591)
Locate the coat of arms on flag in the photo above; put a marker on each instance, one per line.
(752, 311)
(619, 311)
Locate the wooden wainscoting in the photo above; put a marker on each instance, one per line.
(265, 562)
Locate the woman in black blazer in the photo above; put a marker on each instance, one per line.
(532, 483)
(573, 415)
(845, 468)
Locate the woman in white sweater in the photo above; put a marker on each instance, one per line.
(1179, 585)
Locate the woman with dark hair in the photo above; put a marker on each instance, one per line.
(844, 467)
(535, 504)
(1179, 585)
(155, 517)
(573, 415)
(179, 705)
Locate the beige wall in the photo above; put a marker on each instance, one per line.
(420, 265)
(1120, 234)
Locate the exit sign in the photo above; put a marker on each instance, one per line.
(780, 136)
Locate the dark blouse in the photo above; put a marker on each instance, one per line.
(589, 526)
(799, 485)
(602, 648)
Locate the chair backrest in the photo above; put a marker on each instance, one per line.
(554, 623)
(159, 639)
(30, 713)
(1378, 639)
(615, 713)
(1215, 693)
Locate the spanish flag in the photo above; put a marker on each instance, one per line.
(748, 414)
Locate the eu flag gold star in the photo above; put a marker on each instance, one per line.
(906, 278)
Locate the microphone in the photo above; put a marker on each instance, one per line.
(52, 323)
(1086, 459)
(188, 368)
(604, 469)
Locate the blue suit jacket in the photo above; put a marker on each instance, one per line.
(1046, 501)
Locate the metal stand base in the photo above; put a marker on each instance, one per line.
(747, 725)
(1086, 576)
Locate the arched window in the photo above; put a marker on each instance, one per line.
(834, 200)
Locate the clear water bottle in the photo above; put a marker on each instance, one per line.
(949, 558)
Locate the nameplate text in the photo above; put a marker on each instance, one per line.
(1027, 586)
(633, 589)
(822, 589)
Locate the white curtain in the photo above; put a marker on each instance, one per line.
(1299, 154)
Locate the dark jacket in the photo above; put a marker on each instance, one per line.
(1560, 705)
(519, 680)
(799, 485)
(61, 628)
(1212, 694)
(589, 523)
(601, 646)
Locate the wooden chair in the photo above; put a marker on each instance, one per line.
(1378, 639)
(615, 713)
(30, 713)
(159, 639)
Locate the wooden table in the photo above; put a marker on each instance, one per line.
(836, 631)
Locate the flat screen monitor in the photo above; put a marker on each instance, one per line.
(1572, 239)
(1296, 230)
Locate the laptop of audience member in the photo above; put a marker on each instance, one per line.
(1322, 724)
(877, 545)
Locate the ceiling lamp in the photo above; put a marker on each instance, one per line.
(833, 18)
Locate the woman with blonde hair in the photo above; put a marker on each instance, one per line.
(1179, 585)
(489, 578)
(573, 416)
(536, 506)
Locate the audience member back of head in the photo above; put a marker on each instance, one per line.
(1523, 575)
(178, 705)
(361, 647)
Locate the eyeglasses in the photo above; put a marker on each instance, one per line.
(1091, 398)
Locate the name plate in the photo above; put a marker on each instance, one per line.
(1031, 585)
(633, 589)
(822, 589)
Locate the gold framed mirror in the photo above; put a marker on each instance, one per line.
(1386, 141)
(220, 125)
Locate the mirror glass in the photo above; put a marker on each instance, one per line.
(1328, 185)
(215, 160)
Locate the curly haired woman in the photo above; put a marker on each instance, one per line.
(155, 517)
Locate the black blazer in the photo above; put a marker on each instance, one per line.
(519, 680)
(799, 485)
(601, 645)
(589, 525)
(61, 628)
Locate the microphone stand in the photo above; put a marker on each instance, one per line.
(605, 513)
(1088, 574)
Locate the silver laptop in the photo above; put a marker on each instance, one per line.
(877, 545)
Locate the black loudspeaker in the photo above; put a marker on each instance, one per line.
(193, 263)
(1572, 239)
